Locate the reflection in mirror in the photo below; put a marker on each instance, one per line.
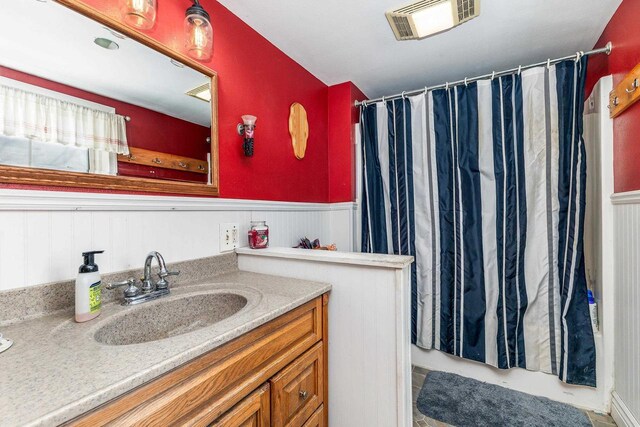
(77, 96)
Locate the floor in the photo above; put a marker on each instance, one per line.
(419, 420)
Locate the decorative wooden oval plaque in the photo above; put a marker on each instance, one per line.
(299, 129)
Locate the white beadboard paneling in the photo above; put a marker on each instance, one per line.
(100, 238)
(81, 231)
(61, 256)
(369, 369)
(627, 302)
(37, 230)
(42, 234)
(13, 249)
(340, 230)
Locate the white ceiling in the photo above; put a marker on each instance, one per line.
(342, 40)
(50, 41)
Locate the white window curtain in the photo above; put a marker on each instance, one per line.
(42, 118)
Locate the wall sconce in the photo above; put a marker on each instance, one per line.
(198, 32)
(247, 130)
(140, 14)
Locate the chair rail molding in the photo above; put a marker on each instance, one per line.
(34, 200)
(626, 198)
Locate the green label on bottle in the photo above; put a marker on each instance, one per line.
(95, 295)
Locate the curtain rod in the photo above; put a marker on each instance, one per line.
(607, 49)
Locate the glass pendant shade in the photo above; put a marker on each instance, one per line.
(140, 14)
(198, 33)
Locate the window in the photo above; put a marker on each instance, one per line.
(44, 129)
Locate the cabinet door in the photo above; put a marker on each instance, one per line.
(252, 411)
(298, 390)
(317, 419)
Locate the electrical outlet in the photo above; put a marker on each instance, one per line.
(229, 236)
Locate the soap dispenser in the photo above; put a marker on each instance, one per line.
(88, 289)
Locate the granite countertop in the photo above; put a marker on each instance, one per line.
(55, 370)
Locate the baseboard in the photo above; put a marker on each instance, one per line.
(621, 413)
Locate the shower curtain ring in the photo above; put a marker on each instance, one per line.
(493, 75)
(548, 63)
(465, 82)
(519, 69)
(446, 86)
(403, 92)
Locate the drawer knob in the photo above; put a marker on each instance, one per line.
(302, 394)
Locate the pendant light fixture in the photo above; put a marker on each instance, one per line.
(198, 32)
(139, 14)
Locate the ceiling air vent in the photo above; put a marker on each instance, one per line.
(427, 17)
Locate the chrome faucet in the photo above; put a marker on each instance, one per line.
(147, 283)
(148, 290)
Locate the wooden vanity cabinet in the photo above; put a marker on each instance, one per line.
(275, 375)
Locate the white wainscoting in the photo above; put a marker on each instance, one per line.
(626, 403)
(369, 332)
(42, 234)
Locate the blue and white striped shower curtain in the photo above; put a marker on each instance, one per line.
(485, 185)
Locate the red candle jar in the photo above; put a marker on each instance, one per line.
(259, 235)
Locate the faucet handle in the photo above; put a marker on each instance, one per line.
(162, 283)
(166, 273)
(131, 291)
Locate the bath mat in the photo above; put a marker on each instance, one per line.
(464, 402)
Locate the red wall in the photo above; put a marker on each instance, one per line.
(342, 116)
(147, 129)
(255, 78)
(624, 32)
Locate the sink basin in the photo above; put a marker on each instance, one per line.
(168, 318)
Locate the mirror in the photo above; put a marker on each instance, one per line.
(87, 102)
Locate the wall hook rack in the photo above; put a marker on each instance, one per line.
(625, 94)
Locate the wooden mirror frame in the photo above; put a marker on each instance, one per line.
(54, 178)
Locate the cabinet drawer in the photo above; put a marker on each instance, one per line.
(317, 419)
(253, 411)
(298, 390)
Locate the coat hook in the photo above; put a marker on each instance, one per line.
(634, 86)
